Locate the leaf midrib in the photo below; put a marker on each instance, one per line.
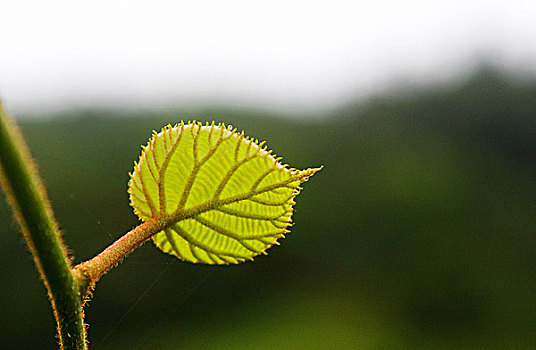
(184, 214)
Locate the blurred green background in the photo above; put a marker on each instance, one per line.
(418, 234)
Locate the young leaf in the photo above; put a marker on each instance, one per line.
(222, 197)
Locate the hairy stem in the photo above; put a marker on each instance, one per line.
(27, 197)
(94, 268)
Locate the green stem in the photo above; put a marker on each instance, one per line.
(28, 199)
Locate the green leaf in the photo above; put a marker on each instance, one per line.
(223, 197)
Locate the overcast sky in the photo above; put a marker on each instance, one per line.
(290, 55)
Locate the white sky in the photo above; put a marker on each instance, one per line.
(298, 55)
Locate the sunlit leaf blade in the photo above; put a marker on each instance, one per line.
(224, 197)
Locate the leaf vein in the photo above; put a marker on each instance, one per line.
(146, 194)
(268, 203)
(240, 214)
(161, 174)
(189, 238)
(149, 167)
(196, 167)
(172, 242)
(230, 234)
(230, 173)
(262, 177)
(194, 254)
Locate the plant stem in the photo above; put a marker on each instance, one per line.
(28, 199)
(94, 268)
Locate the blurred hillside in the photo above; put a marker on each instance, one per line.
(419, 232)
